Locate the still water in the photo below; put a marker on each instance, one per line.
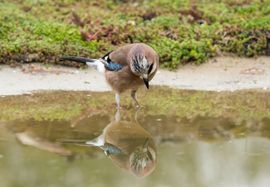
(134, 148)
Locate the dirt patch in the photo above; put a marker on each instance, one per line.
(219, 74)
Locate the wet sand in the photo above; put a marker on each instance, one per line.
(218, 74)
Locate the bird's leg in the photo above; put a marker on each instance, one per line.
(117, 99)
(117, 116)
(133, 96)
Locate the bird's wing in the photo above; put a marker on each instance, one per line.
(113, 66)
(110, 64)
(111, 149)
(120, 55)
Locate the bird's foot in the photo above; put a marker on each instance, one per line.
(137, 106)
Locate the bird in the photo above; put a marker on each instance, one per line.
(126, 68)
(128, 145)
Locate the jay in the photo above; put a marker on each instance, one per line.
(126, 68)
(128, 145)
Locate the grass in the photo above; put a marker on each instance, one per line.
(181, 31)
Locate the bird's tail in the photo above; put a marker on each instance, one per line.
(96, 63)
(98, 141)
(77, 59)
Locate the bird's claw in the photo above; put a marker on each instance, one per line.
(137, 106)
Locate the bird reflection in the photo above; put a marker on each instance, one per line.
(128, 145)
(125, 142)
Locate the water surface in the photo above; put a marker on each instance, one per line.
(135, 148)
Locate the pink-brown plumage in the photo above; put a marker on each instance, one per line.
(125, 79)
(126, 68)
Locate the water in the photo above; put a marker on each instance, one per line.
(134, 148)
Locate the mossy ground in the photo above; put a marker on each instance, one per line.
(181, 31)
(242, 105)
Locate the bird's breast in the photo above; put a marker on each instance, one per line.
(123, 80)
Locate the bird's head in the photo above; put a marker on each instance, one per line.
(141, 66)
(143, 160)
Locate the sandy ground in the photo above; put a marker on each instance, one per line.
(219, 74)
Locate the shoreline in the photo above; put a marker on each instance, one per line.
(218, 74)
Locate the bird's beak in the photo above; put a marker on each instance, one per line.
(146, 143)
(146, 82)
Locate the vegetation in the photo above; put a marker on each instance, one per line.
(181, 31)
(241, 105)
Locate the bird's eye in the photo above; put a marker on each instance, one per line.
(150, 68)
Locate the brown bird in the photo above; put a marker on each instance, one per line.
(126, 68)
(128, 145)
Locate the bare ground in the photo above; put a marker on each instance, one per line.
(219, 74)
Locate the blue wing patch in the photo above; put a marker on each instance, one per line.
(113, 66)
(111, 149)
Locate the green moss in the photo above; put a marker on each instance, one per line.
(181, 31)
(24, 34)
